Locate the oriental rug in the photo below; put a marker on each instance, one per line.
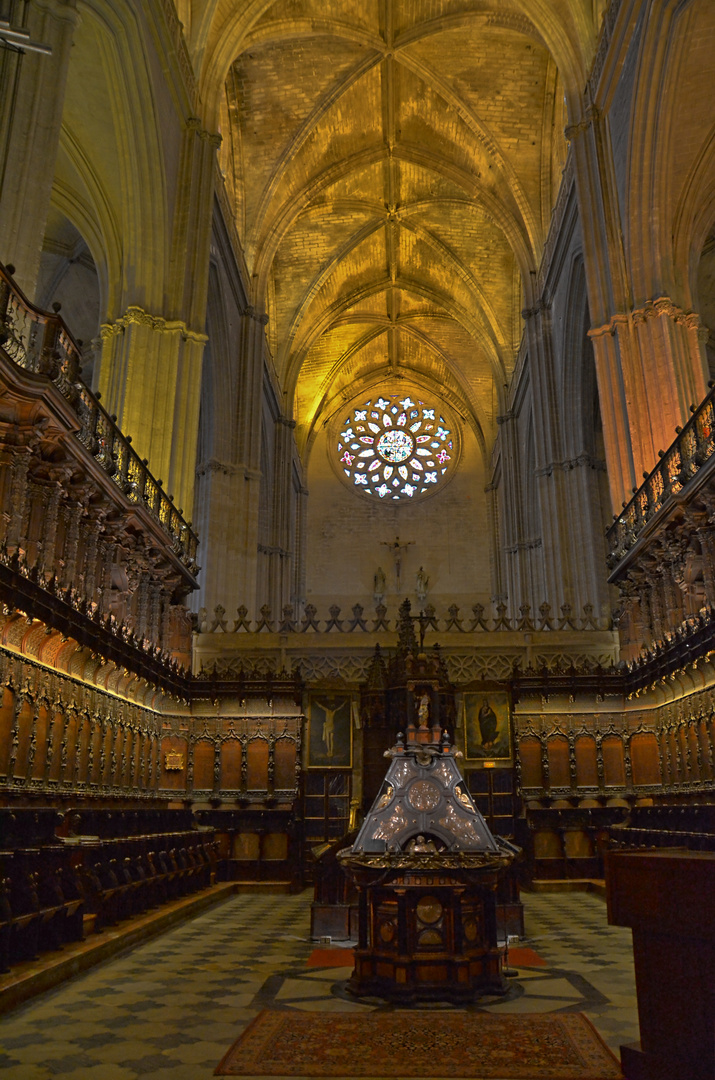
(523, 957)
(331, 958)
(421, 1044)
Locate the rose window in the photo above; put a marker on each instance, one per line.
(395, 447)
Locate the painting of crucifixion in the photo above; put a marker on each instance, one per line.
(329, 731)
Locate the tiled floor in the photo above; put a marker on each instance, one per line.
(171, 1008)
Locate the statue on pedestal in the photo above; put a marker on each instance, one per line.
(379, 583)
(421, 585)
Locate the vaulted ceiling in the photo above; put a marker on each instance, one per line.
(393, 165)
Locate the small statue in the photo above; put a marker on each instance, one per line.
(464, 799)
(423, 711)
(379, 583)
(420, 846)
(385, 798)
(422, 585)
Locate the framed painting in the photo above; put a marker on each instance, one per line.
(330, 735)
(486, 726)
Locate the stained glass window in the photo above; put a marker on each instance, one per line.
(394, 447)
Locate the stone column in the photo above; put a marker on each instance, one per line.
(299, 568)
(521, 582)
(284, 508)
(248, 428)
(150, 372)
(650, 359)
(573, 556)
(32, 89)
(150, 378)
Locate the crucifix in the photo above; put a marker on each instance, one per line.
(421, 619)
(396, 548)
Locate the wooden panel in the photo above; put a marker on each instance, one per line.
(152, 763)
(694, 751)
(284, 778)
(675, 768)
(58, 727)
(246, 847)
(108, 737)
(70, 741)
(578, 844)
(586, 761)
(257, 754)
(84, 737)
(686, 770)
(136, 766)
(666, 898)
(204, 765)
(547, 844)
(644, 758)
(24, 731)
(127, 757)
(96, 753)
(614, 769)
(530, 757)
(558, 751)
(275, 847)
(6, 718)
(231, 754)
(118, 756)
(704, 738)
(43, 726)
(173, 779)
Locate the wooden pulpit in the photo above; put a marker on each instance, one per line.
(667, 897)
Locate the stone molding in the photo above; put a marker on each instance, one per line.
(524, 545)
(557, 218)
(604, 40)
(135, 315)
(213, 465)
(176, 30)
(652, 309)
(194, 124)
(571, 463)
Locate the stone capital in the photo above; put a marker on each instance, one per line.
(251, 313)
(193, 123)
(591, 114)
(540, 307)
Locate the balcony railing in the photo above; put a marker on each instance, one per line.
(678, 466)
(41, 343)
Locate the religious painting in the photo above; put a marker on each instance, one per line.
(486, 725)
(330, 742)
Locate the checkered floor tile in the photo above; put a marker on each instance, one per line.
(169, 1009)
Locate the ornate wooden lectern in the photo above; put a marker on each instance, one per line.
(426, 867)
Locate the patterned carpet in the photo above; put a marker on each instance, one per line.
(421, 1045)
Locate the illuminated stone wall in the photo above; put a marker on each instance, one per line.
(448, 531)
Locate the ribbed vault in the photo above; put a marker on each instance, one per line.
(392, 166)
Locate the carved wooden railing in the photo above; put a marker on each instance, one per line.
(678, 467)
(39, 341)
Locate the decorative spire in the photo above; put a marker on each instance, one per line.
(406, 640)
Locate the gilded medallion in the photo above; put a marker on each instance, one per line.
(424, 795)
